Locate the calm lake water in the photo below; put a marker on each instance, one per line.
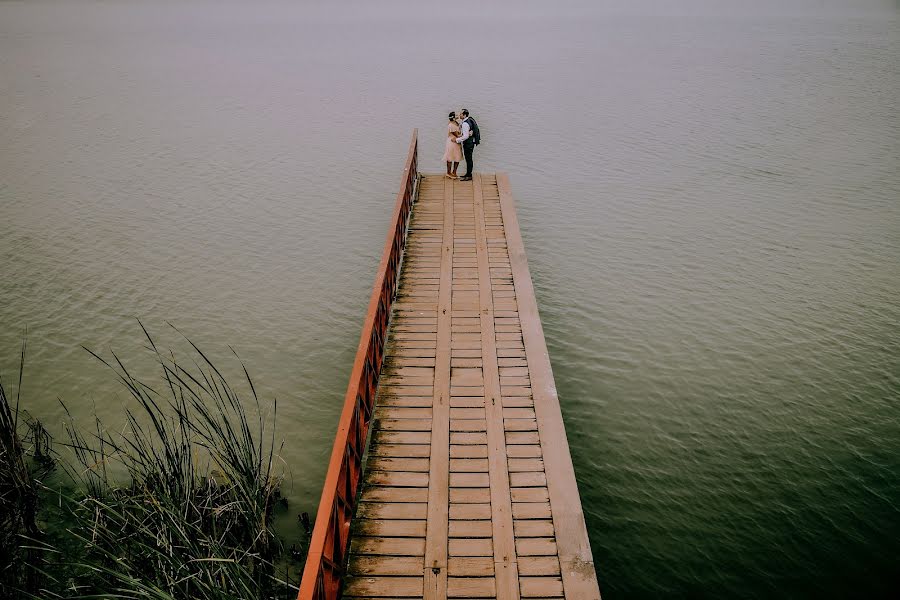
(709, 194)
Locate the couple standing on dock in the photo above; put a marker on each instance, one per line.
(462, 137)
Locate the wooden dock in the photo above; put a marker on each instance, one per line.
(468, 489)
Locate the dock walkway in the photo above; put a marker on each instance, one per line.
(469, 490)
(450, 475)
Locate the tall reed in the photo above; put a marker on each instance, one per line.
(178, 504)
(18, 494)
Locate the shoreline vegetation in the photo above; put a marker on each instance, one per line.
(179, 503)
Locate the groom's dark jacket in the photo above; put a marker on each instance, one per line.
(474, 134)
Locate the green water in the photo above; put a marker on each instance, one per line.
(709, 195)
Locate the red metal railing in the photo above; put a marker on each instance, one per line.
(328, 547)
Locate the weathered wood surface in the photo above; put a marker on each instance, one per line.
(469, 489)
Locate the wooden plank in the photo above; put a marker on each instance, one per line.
(396, 479)
(522, 437)
(393, 494)
(536, 547)
(402, 437)
(470, 496)
(541, 587)
(506, 352)
(407, 322)
(531, 479)
(389, 528)
(467, 390)
(513, 371)
(404, 424)
(518, 402)
(392, 510)
(516, 424)
(467, 402)
(508, 335)
(417, 344)
(469, 480)
(435, 586)
(412, 307)
(383, 587)
(531, 510)
(501, 509)
(530, 494)
(467, 465)
(470, 511)
(579, 578)
(523, 451)
(412, 335)
(467, 336)
(469, 529)
(471, 547)
(391, 463)
(471, 587)
(461, 376)
(476, 412)
(398, 371)
(469, 437)
(468, 352)
(512, 362)
(473, 566)
(518, 412)
(475, 321)
(465, 362)
(414, 390)
(467, 425)
(533, 528)
(388, 546)
(402, 412)
(393, 353)
(414, 362)
(410, 401)
(468, 451)
(402, 450)
(385, 565)
(457, 344)
(517, 464)
(538, 565)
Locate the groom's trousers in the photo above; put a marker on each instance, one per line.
(468, 150)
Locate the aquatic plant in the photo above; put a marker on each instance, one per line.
(177, 504)
(18, 493)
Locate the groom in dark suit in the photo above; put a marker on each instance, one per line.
(469, 138)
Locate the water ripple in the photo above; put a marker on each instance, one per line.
(708, 196)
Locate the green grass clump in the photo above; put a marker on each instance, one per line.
(18, 495)
(176, 505)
